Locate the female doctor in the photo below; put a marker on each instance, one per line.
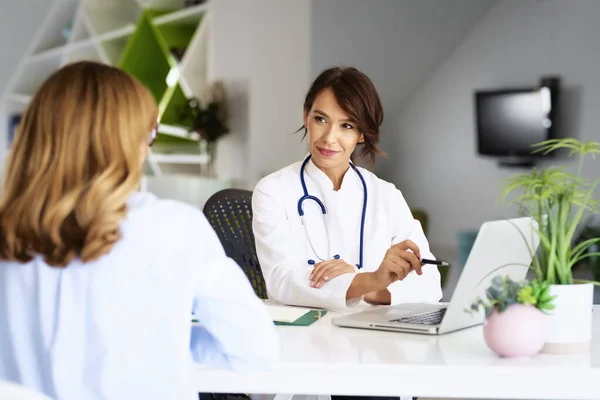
(333, 235)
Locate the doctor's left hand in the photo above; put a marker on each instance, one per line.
(327, 270)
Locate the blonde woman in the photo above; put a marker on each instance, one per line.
(98, 281)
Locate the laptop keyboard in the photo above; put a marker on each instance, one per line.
(429, 318)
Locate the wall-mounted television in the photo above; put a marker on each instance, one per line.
(510, 121)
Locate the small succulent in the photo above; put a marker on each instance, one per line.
(504, 292)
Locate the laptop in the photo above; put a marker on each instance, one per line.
(508, 242)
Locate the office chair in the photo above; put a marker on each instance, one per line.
(229, 212)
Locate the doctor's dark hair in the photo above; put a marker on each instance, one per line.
(357, 96)
(76, 160)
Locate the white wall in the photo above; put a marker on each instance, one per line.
(518, 41)
(18, 23)
(262, 49)
(280, 79)
(229, 59)
(397, 43)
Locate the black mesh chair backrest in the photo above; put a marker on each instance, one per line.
(229, 211)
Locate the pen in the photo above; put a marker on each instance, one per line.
(435, 262)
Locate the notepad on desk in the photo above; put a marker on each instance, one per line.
(283, 315)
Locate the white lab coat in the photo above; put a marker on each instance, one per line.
(284, 250)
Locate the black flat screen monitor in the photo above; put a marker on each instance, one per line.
(509, 122)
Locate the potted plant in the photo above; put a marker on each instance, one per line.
(209, 119)
(515, 324)
(557, 201)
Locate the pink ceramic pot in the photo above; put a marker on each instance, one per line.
(518, 331)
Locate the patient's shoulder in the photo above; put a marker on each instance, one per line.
(150, 213)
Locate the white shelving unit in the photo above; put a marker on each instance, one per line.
(99, 30)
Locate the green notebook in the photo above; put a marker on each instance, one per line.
(307, 319)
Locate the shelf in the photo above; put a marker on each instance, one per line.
(176, 36)
(167, 142)
(194, 72)
(180, 158)
(174, 130)
(15, 105)
(112, 15)
(62, 16)
(81, 29)
(161, 4)
(119, 33)
(184, 15)
(162, 43)
(176, 109)
(145, 59)
(148, 56)
(89, 53)
(173, 145)
(18, 98)
(59, 51)
(119, 36)
(47, 54)
(114, 48)
(178, 136)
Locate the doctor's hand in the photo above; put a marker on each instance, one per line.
(327, 270)
(399, 261)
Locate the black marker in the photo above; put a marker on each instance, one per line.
(435, 262)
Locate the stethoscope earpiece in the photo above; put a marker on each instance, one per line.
(306, 196)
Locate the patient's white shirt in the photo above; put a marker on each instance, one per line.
(120, 327)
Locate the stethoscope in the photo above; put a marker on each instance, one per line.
(324, 213)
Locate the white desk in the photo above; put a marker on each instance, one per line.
(324, 359)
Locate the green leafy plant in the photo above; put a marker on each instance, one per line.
(557, 201)
(591, 230)
(210, 115)
(504, 291)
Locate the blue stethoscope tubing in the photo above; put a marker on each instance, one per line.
(324, 211)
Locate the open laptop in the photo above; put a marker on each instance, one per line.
(498, 243)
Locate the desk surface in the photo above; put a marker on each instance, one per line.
(325, 359)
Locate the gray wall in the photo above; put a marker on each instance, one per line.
(263, 52)
(517, 42)
(19, 20)
(397, 43)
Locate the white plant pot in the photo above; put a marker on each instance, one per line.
(570, 323)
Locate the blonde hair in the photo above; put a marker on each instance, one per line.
(76, 159)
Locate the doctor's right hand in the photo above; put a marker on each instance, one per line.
(399, 261)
